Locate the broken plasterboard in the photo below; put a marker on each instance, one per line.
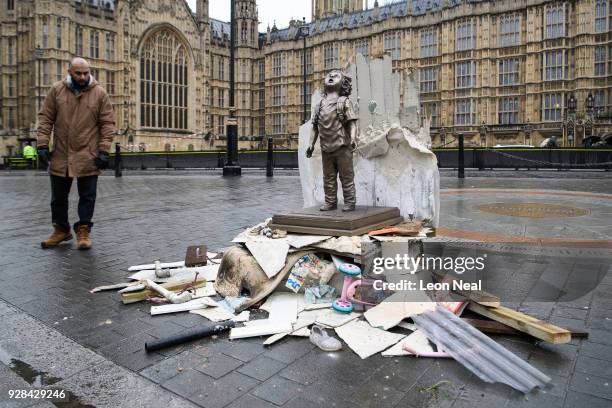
(332, 319)
(270, 255)
(394, 309)
(260, 328)
(300, 241)
(366, 340)
(183, 307)
(317, 306)
(219, 314)
(416, 341)
(303, 332)
(282, 307)
(305, 318)
(343, 245)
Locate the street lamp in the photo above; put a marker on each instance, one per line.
(590, 104)
(303, 32)
(232, 167)
(571, 105)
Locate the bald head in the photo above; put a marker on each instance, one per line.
(79, 71)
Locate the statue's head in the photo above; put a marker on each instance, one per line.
(337, 81)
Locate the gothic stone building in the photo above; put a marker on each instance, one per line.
(497, 71)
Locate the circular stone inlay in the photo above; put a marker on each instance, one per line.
(533, 210)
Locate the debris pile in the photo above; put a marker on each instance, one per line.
(277, 284)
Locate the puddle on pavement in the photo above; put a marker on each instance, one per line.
(41, 379)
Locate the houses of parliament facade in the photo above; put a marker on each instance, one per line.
(499, 72)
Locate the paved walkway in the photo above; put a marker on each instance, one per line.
(140, 218)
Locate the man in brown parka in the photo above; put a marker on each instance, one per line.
(79, 114)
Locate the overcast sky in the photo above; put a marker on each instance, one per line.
(280, 11)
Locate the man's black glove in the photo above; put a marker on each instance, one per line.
(102, 161)
(44, 155)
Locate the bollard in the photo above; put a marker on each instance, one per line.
(270, 161)
(118, 161)
(461, 158)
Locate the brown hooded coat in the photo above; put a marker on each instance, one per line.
(83, 125)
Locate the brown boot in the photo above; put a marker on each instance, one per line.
(59, 235)
(83, 240)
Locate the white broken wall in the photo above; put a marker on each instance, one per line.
(393, 164)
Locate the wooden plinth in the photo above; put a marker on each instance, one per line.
(336, 223)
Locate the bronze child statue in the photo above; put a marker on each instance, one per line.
(334, 120)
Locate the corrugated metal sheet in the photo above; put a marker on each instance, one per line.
(477, 352)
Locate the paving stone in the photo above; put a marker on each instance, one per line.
(223, 391)
(535, 400)
(592, 385)
(376, 393)
(278, 390)
(218, 365)
(289, 350)
(188, 382)
(596, 350)
(594, 366)
(261, 368)
(577, 399)
(243, 349)
(250, 401)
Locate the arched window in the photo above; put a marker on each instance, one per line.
(163, 82)
(243, 31)
(167, 147)
(190, 148)
(45, 32)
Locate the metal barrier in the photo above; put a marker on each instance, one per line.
(474, 158)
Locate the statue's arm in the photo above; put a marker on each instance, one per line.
(314, 135)
(353, 129)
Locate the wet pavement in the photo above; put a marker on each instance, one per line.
(156, 215)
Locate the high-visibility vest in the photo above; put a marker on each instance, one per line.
(29, 152)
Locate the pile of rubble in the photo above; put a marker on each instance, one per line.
(295, 279)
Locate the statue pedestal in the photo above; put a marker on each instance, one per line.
(336, 223)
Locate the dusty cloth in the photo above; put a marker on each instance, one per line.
(340, 162)
(83, 124)
(240, 274)
(332, 128)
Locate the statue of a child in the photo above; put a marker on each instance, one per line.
(334, 120)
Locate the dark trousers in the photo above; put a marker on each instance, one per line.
(339, 162)
(60, 189)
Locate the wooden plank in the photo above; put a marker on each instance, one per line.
(360, 217)
(524, 323)
(491, 326)
(133, 297)
(334, 231)
(196, 256)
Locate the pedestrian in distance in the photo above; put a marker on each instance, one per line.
(77, 119)
(29, 153)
